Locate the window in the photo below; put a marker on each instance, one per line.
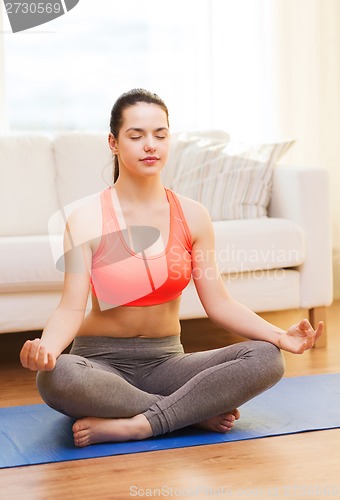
(66, 74)
(214, 62)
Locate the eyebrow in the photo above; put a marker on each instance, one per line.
(136, 129)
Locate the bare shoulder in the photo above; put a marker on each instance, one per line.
(84, 220)
(196, 215)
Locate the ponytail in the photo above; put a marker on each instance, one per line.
(115, 169)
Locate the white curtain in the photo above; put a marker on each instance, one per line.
(276, 74)
(244, 62)
(308, 35)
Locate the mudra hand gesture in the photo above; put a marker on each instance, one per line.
(35, 356)
(300, 337)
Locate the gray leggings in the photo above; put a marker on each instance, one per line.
(122, 377)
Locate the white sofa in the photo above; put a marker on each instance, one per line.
(277, 262)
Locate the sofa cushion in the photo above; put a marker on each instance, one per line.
(83, 165)
(27, 175)
(27, 311)
(233, 182)
(261, 291)
(27, 264)
(266, 243)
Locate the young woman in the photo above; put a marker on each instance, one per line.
(127, 376)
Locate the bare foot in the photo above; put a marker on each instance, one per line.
(221, 423)
(93, 430)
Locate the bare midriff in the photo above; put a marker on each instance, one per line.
(160, 320)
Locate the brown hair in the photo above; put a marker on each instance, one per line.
(127, 99)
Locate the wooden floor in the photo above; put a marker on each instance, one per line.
(305, 465)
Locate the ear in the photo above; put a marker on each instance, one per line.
(113, 143)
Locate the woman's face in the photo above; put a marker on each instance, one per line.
(142, 145)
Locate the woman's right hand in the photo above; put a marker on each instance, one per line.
(34, 356)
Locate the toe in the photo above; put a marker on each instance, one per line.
(229, 425)
(223, 428)
(236, 414)
(227, 418)
(78, 435)
(81, 442)
(79, 425)
(76, 427)
(230, 418)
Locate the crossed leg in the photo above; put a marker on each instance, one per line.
(195, 389)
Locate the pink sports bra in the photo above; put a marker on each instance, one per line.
(122, 277)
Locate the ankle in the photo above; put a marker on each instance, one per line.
(142, 427)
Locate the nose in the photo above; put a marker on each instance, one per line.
(150, 145)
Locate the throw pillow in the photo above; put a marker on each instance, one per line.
(205, 141)
(233, 182)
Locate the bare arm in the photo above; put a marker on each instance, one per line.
(230, 314)
(65, 321)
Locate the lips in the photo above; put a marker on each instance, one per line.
(150, 158)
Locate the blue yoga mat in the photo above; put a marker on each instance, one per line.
(37, 434)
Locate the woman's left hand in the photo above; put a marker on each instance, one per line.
(300, 337)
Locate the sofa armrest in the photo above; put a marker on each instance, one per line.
(301, 194)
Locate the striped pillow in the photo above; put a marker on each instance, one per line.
(233, 181)
(184, 142)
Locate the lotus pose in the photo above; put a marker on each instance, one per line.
(134, 247)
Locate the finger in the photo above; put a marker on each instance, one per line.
(316, 333)
(27, 352)
(41, 357)
(308, 344)
(305, 325)
(302, 347)
(319, 330)
(33, 353)
(50, 364)
(24, 353)
(313, 336)
(45, 360)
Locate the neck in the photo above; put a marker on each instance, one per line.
(140, 190)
